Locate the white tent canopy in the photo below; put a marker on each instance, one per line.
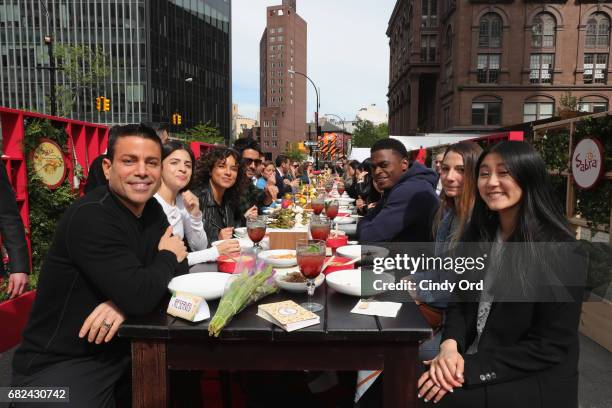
(433, 140)
(360, 153)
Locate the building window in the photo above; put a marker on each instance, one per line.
(593, 107)
(429, 13)
(428, 48)
(272, 39)
(448, 72)
(595, 69)
(537, 110)
(490, 31)
(446, 116)
(541, 68)
(598, 31)
(543, 31)
(486, 113)
(488, 68)
(279, 30)
(449, 43)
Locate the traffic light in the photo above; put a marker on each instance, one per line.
(177, 119)
(106, 104)
(99, 103)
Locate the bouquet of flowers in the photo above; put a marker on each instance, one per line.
(254, 281)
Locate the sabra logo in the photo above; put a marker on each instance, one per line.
(587, 164)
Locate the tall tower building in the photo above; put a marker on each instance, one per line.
(282, 94)
(165, 57)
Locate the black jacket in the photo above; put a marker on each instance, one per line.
(216, 217)
(282, 187)
(405, 212)
(528, 352)
(11, 228)
(101, 251)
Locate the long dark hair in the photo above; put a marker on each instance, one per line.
(540, 216)
(207, 163)
(173, 145)
(524, 269)
(462, 206)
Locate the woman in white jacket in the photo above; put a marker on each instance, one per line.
(182, 207)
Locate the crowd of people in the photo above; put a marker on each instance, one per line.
(152, 211)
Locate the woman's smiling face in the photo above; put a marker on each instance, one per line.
(177, 169)
(225, 172)
(496, 186)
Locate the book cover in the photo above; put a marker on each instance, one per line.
(287, 315)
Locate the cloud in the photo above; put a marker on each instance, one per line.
(348, 53)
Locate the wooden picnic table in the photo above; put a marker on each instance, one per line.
(341, 341)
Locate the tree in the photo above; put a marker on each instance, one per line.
(366, 133)
(293, 153)
(84, 69)
(203, 132)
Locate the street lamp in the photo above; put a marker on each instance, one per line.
(48, 39)
(316, 113)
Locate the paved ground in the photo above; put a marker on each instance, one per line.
(595, 374)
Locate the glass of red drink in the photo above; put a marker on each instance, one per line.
(317, 205)
(256, 228)
(319, 227)
(331, 209)
(310, 258)
(340, 187)
(329, 186)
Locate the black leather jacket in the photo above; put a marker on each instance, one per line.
(215, 217)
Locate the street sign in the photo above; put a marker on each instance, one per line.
(310, 143)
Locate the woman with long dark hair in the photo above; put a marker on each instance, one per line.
(217, 184)
(512, 345)
(182, 207)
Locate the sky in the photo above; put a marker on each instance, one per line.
(348, 53)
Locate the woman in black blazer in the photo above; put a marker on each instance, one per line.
(515, 344)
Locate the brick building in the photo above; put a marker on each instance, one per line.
(477, 65)
(282, 94)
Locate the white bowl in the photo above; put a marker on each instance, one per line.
(349, 282)
(299, 287)
(344, 220)
(345, 200)
(356, 251)
(269, 257)
(244, 242)
(240, 232)
(209, 285)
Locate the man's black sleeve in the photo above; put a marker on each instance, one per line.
(11, 227)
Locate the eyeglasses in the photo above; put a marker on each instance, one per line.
(248, 162)
(296, 165)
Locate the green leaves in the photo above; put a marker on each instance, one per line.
(366, 133)
(203, 132)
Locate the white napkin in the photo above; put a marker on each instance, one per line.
(373, 308)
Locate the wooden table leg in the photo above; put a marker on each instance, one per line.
(399, 377)
(149, 374)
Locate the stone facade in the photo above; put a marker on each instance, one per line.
(478, 65)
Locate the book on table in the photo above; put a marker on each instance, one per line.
(287, 315)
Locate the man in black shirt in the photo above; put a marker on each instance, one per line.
(113, 247)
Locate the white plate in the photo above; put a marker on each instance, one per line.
(349, 282)
(345, 200)
(209, 285)
(244, 242)
(240, 232)
(281, 263)
(344, 220)
(355, 251)
(295, 286)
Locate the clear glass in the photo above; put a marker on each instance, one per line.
(320, 227)
(256, 228)
(331, 209)
(310, 258)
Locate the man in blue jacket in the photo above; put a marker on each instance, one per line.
(409, 200)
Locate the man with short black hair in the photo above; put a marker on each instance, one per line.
(406, 209)
(250, 153)
(113, 254)
(283, 184)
